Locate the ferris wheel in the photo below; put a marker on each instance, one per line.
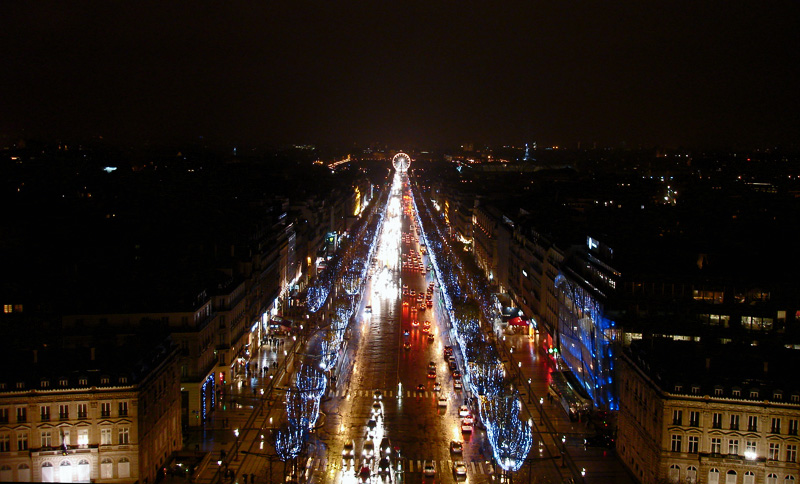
(401, 162)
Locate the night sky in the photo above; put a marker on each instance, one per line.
(404, 73)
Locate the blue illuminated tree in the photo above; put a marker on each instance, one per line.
(302, 408)
(510, 438)
(311, 380)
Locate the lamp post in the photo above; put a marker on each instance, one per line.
(541, 410)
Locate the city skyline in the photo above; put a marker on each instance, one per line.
(674, 74)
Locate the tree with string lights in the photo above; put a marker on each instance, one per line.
(487, 378)
(289, 443)
(510, 438)
(310, 380)
(301, 408)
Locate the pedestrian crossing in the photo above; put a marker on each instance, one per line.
(406, 465)
(384, 394)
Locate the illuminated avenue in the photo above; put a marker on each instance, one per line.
(397, 331)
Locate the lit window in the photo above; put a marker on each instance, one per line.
(105, 436)
(123, 435)
(694, 444)
(733, 447)
(773, 451)
(22, 441)
(676, 442)
(83, 437)
(8, 308)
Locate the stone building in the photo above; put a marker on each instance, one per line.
(109, 413)
(727, 414)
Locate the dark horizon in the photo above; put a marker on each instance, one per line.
(683, 74)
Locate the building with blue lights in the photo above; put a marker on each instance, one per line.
(587, 337)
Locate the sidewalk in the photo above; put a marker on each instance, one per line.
(233, 409)
(554, 432)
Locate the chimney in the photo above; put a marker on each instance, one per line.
(35, 356)
(91, 353)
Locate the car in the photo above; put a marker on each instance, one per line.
(368, 309)
(425, 330)
(468, 419)
(405, 303)
(386, 446)
(457, 384)
(369, 449)
(348, 461)
(427, 324)
(448, 350)
(430, 337)
(442, 401)
(384, 465)
(463, 411)
(456, 374)
(406, 333)
(431, 373)
(406, 346)
(431, 364)
(372, 424)
(415, 323)
(377, 409)
(413, 293)
(437, 387)
(467, 428)
(459, 469)
(421, 387)
(429, 470)
(377, 395)
(349, 448)
(364, 473)
(456, 447)
(422, 307)
(452, 365)
(599, 440)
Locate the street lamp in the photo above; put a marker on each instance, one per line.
(541, 410)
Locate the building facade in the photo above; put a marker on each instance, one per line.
(689, 422)
(80, 418)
